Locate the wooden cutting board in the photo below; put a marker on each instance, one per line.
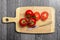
(47, 26)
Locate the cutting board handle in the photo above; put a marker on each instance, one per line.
(8, 19)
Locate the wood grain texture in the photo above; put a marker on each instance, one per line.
(0, 22)
(3, 27)
(57, 6)
(11, 13)
(7, 8)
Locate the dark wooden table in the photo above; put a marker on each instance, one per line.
(7, 8)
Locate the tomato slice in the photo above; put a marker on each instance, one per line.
(44, 15)
(28, 14)
(23, 22)
(31, 23)
(36, 16)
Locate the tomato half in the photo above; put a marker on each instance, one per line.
(44, 16)
(36, 16)
(28, 13)
(31, 23)
(23, 22)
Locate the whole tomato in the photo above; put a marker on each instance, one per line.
(36, 16)
(23, 22)
(31, 23)
(44, 16)
(28, 14)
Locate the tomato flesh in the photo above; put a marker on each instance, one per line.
(31, 23)
(36, 16)
(44, 16)
(28, 14)
(23, 22)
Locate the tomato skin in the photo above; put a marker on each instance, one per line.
(32, 23)
(23, 22)
(36, 16)
(44, 16)
(28, 13)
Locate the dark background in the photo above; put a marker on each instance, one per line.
(7, 8)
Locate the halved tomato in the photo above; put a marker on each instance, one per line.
(31, 23)
(36, 16)
(28, 14)
(44, 15)
(23, 22)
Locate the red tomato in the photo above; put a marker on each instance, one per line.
(36, 16)
(31, 23)
(44, 15)
(23, 22)
(28, 13)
